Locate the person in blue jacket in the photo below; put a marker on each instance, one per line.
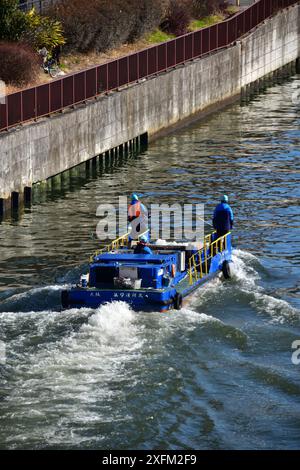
(223, 217)
(142, 248)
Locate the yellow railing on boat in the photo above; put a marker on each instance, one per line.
(198, 264)
(115, 245)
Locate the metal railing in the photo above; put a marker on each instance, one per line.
(199, 262)
(115, 244)
(40, 5)
(72, 89)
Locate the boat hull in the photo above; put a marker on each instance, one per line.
(141, 299)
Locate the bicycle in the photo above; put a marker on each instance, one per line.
(52, 68)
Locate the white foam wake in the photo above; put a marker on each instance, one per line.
(247, 279)
(75, 370)
(279, 310)
(242, 271)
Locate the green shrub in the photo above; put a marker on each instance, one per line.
(147, 17)
(103, 24)
(177, 19)
(19, 63)
(42, 31)
(207, 7)
(12, 21)
(36, 30)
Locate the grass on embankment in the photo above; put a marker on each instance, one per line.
(207, 21)
(158, 36)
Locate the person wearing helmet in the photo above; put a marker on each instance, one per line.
(137, 210)
(141, 247)
(223, 217)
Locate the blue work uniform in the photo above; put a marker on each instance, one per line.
(142, 249)
(223, 219)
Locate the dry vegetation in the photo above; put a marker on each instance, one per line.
(142, 32)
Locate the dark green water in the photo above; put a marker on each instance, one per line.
(216, 375)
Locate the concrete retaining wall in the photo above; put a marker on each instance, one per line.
(38, 151)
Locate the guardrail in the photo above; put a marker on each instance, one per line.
(120, 242)
(114, 245)
(43, 100)
(199, 262)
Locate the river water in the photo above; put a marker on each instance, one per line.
(216, 375)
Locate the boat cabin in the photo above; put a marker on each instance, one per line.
(122, 268)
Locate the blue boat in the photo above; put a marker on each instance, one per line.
(159, 281)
